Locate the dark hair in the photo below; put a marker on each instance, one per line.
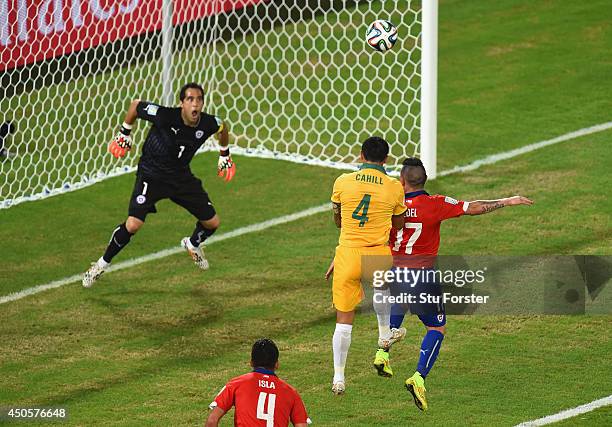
(375, 149)
(413, 172)
(191, 85)
(264, 354)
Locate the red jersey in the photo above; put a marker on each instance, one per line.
(261, 400)
(422, 219)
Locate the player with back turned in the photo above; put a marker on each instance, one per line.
(260, 398)
(415, 245)
(164, 173)
(366, 203)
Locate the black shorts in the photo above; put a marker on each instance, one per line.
(185, 191)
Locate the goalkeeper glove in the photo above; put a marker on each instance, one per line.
(122, 142)
(226, 166)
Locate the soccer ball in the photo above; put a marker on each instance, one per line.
(381, 35)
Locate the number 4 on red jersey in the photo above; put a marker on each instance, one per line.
(261, 399)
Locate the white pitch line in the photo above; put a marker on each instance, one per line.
(308, 212)
(171, 251)
(494, 158)
(568, 413)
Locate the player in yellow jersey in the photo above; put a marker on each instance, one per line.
(366, 204)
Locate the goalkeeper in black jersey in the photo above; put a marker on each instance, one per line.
(164, 173)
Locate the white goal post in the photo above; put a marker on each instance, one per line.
(294, 79)
(429, 87)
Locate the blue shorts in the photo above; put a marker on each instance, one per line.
(420, 293)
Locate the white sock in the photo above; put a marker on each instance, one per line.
(103, 264)
(382, 307)
(341, 343)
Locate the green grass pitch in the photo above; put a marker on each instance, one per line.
(152, 344)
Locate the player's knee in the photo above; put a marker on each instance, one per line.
(346, 317)
(441, 329)
(133, 224)
(212, 224)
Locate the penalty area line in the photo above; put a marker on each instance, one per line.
(568, 413)
(494, 158)
(171, 251)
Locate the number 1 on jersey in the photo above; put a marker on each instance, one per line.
(364, 205)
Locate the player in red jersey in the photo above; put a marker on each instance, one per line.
(416, 246)
(261, 398)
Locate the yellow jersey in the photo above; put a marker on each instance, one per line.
(368, 198)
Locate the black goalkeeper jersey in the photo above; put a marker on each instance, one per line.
(171, 144)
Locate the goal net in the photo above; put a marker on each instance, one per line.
(294, 80)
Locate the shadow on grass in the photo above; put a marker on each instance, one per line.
(224, 329)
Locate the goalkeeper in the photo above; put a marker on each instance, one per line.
(164, 173)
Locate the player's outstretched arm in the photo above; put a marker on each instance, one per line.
(132, 115)
(479, 207)
(223, 137)
(122, 142)
(214, 417)
(226, 168)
